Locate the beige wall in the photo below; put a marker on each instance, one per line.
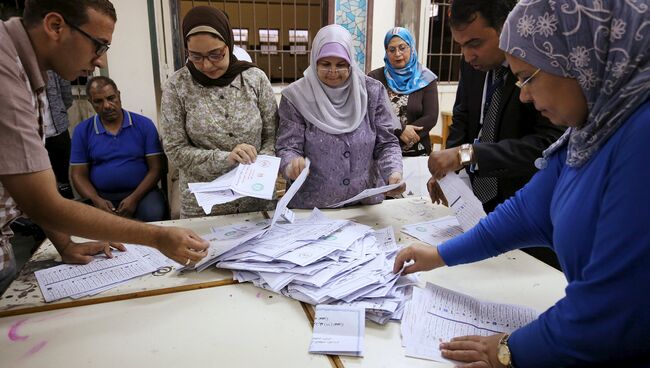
(130, 59)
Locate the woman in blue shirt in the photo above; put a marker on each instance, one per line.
(584, 64)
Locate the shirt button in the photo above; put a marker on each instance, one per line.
(226, 116)
(346, 154)
(230, 135)
(346, 181)
(221, 97)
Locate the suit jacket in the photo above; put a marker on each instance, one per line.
(421, 108)
(521, 132)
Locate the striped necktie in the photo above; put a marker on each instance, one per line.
(485, 188)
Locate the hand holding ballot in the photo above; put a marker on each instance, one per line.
(395, 178)
(424, 258)
(243, 154)
(295, 167)
(254, 177)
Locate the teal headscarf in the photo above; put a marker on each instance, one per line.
(413, 76)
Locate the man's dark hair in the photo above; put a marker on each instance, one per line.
(495, 12)
(74, 11)
(99, 81)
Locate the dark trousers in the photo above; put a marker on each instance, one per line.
(58, 149)
(152, 207)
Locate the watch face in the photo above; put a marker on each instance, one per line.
(503, 354)
(464, 156)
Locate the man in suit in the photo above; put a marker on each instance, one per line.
(494, 136)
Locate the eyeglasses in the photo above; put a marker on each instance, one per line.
(214, 57)
(521, 84)
(100, 46)
(402, 48)
(326, 69)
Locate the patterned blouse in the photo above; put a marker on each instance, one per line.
(399, 103)
(200, 126)
(345, 164)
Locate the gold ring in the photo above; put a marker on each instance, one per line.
(188, 262)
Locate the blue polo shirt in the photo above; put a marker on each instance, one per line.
(117, 163)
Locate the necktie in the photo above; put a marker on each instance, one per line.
(485, 188)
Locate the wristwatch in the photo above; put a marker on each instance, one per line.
(503, 352)
(465, 154)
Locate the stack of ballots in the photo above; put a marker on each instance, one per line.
(321, 261)
(315, 260)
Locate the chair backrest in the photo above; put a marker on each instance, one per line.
(442, 138)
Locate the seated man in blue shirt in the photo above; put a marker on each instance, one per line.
(116, 158)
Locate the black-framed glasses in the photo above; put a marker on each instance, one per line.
(100, 46)
(214, 57)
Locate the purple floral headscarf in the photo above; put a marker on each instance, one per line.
(603, 44)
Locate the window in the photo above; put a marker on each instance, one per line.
(443, 56)
(277, 34)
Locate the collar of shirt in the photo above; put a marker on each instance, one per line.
(26, 54)
(99, 126)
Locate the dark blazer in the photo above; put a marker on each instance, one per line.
(421, 108)
(522, 133)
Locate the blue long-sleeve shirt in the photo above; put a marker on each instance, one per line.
(597, 219)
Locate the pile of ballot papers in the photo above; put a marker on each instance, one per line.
(319, 261)
(316, 260)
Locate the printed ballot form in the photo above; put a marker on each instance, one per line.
(338, 330)
(436, 315)
(467, 208)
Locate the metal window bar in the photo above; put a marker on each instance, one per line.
(289, 59)
(443, 55)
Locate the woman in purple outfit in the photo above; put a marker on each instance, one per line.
(342, 122)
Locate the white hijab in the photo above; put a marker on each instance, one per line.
(333, 110)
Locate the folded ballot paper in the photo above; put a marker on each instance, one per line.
(468, 211)
(467, 208)
(254, 180)
(367, 193)
(338, 330)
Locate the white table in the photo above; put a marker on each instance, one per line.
(158, 329)
(228, 326)
(24, 291)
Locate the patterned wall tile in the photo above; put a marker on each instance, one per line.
(353, 15)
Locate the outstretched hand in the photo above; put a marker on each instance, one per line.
(181, 245)
(424, 257)
(82, 253)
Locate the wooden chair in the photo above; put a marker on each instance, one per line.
(441, 140)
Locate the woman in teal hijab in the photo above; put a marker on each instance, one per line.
(412, 91)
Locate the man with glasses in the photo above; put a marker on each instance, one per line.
(68, 37)
(494, 136)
